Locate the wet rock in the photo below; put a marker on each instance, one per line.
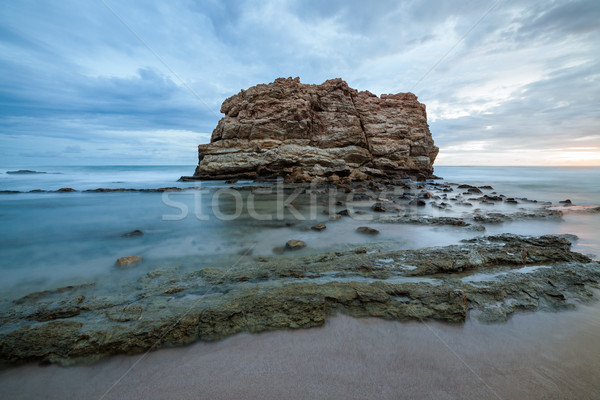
(446, 283)
(334, 217)
(279, 250)
(66, 190)
(129, 312)
(366, 230)
(565, 202)
(134, 233)
(417, 203)
(318, 227)
(24, 172)
(576, 209)
(378, 207)
(128, 261)
(295, 244)
(510, 200)
(174, 290)
(474, 190)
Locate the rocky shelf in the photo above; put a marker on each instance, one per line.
(486, 277)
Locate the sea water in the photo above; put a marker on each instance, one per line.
(49, 238)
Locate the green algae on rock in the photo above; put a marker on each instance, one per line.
(486, 277)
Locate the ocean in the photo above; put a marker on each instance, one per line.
(49, 238)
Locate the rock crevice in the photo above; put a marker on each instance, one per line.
(302, 132)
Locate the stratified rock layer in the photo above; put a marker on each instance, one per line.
(303, 132)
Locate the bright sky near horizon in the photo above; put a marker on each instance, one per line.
(141, 82)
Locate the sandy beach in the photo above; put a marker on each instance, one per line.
(533, 356)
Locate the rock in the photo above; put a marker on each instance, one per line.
(565, 202)
(367, 230)
(482, 278)
(66, 190)
(357, 175)
(334, 217)
(174, 290)
(279, 250)
(474, 190)
(301, 131)
(136, 232)
(417, 203)
(294, 244)
(318, 227)
(378, 207)
(128, 261)
(486, 187)
(577, 209)
(24, 171)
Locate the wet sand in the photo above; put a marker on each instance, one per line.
(533, 356)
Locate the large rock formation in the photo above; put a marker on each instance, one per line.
(302, 131)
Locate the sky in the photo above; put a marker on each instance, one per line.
(106, 82)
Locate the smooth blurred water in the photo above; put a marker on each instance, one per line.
(52, 238)
(579, 184)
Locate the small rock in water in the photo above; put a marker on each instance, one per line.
(510, 200)
(565, 202)
(24, 171)
(279, 250)
(474, 190)
(137, 232)
(343, 212)
(378, 207)
(334, 217)
(66, 190)
(417, 202)
(294, 244)
(128, 261)
(367, 230)
(318, 227)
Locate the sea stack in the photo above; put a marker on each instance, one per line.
(330, 132)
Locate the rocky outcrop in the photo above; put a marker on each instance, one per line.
(302, 132)
(486, 277)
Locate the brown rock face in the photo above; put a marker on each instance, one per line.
(332, 131)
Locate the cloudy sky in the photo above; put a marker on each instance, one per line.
(141, 82)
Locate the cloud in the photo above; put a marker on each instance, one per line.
(75, 79)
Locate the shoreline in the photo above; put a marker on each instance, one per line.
(533, 355)
(488, 276)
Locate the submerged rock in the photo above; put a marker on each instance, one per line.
(25, 171)
(318, 227)
(295, 244)
(128, 261)
(134, 233)
(367, 230)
